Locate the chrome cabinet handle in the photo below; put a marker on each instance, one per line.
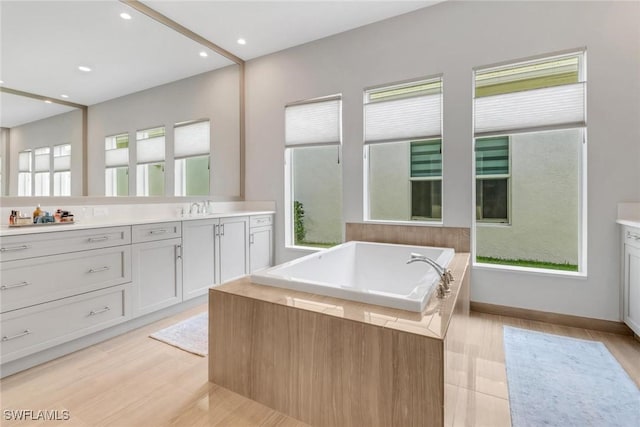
(633, 236)
(251, 239)
(25, 333)
(15, 285)
(159, 231)
(98, 239)
(178, 251)
(15, 248)
(99, 269)
(102, 310)
(222, 228)
(216, 230)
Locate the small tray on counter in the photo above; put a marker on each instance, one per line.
(40, 224)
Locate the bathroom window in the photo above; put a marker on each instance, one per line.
(492, 179)
(62, 170)
(24, 173)
(150, 145)
(192, 160)
(313, 174)
(42, 171)
(403, 151)
(529, 147)
(117, 165)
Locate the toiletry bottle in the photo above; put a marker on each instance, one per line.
(36, 214)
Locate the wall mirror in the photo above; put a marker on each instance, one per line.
(135, 73)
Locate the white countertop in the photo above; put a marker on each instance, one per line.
(629, 222)
(5, 230)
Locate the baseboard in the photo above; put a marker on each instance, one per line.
(556, 318)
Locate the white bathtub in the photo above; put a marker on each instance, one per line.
(374, 273)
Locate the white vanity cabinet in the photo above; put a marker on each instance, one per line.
(260, 242)
(156, 266)
(631, 278)
(60, 285)
(215, 251)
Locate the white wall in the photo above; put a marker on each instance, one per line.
(64, 128)
(452, 38)
(213, 95)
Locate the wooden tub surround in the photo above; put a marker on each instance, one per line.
(333, 362)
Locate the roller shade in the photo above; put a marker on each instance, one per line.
(313, 123)
(192, 140)
(42, 160)
(426, 159)
(403, 119)
(552, 107)
(492, 156)
(150, 146)
(62, 157)
(116, 157)
(24, 161)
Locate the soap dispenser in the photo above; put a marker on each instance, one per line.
(37, 213)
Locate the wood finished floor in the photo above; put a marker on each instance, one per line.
(133, 380)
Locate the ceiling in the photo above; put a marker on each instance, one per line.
(42, 43)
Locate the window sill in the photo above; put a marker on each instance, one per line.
(309, 249)
(418, 223)
(530, 270)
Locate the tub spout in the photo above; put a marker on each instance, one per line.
(445, 274)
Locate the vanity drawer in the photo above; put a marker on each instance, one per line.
(632, 236)
(37, 328)
(51, 243)
(261, 220)
(157, 231)
(33, 281)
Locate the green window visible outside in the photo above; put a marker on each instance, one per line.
(492, 179)
(426, 180)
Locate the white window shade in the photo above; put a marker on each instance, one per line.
(62, 163)
(116, 157)
(41, 163)
(551, 107)
(314, 123)
(192, 140)
(417, 117)
(24, 161)
(150, 150)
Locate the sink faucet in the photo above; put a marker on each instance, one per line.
(195, 205)
(445, 274)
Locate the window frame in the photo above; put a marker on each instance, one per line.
(494, 221)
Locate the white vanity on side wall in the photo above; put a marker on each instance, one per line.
(629, 219)
(64, 287)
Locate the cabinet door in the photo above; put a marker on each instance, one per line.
(234, 250)
(157, 275)
(198, 257)
(260, 248)
(632, 287)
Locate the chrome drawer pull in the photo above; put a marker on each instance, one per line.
(15, 248)
(99, 269)
(160, 231)
(25, 333)
(251, 239)
(98, 239)
(102, 310)
(15, 285)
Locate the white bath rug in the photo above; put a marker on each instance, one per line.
(189, 335)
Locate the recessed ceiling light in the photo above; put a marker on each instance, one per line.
(125, 15)
(47, 101)
(84, 68)
(242, 41)
(64, 96)
(204, 54)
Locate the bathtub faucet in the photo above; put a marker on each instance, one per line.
(445, 274)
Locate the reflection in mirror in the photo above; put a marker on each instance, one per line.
(145, 75)
(38, 139)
